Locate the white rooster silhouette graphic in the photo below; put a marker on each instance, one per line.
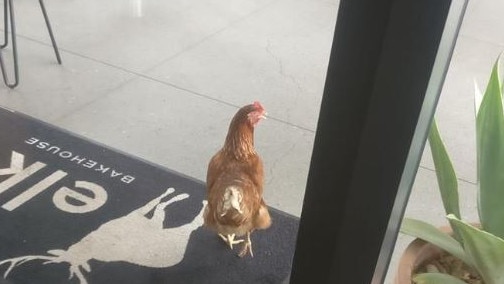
(117, 239)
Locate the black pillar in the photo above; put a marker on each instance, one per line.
(380, 67)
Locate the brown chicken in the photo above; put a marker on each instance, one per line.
(235, 181)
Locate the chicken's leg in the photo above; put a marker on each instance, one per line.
(229, 239)
(247, 247)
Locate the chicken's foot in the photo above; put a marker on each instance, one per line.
(229, 239)
(247, 247)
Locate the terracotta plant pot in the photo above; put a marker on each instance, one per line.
(415, 254)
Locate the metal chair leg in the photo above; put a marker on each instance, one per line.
(6, 25)
(8, 5)
(9, 15)
(46, 18)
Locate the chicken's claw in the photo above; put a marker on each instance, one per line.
(247, 247)
(229, 239)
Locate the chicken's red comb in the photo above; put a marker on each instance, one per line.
(258, 105)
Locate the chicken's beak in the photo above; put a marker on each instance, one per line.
(264, 115)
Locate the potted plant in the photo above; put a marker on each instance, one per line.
(477, 250)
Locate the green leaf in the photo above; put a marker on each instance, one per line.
(447, 180)
(485, 250)
(490, 150)
(433, 235)
(436, 278)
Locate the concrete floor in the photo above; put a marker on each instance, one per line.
(161, 80)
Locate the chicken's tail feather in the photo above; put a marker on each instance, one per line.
(263, 219)
(231, 200)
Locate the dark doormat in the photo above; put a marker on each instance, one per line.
(74, 211)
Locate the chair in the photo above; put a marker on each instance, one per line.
(9, 15)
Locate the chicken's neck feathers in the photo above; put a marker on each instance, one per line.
(240, 140)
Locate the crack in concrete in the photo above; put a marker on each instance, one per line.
(281, 68)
